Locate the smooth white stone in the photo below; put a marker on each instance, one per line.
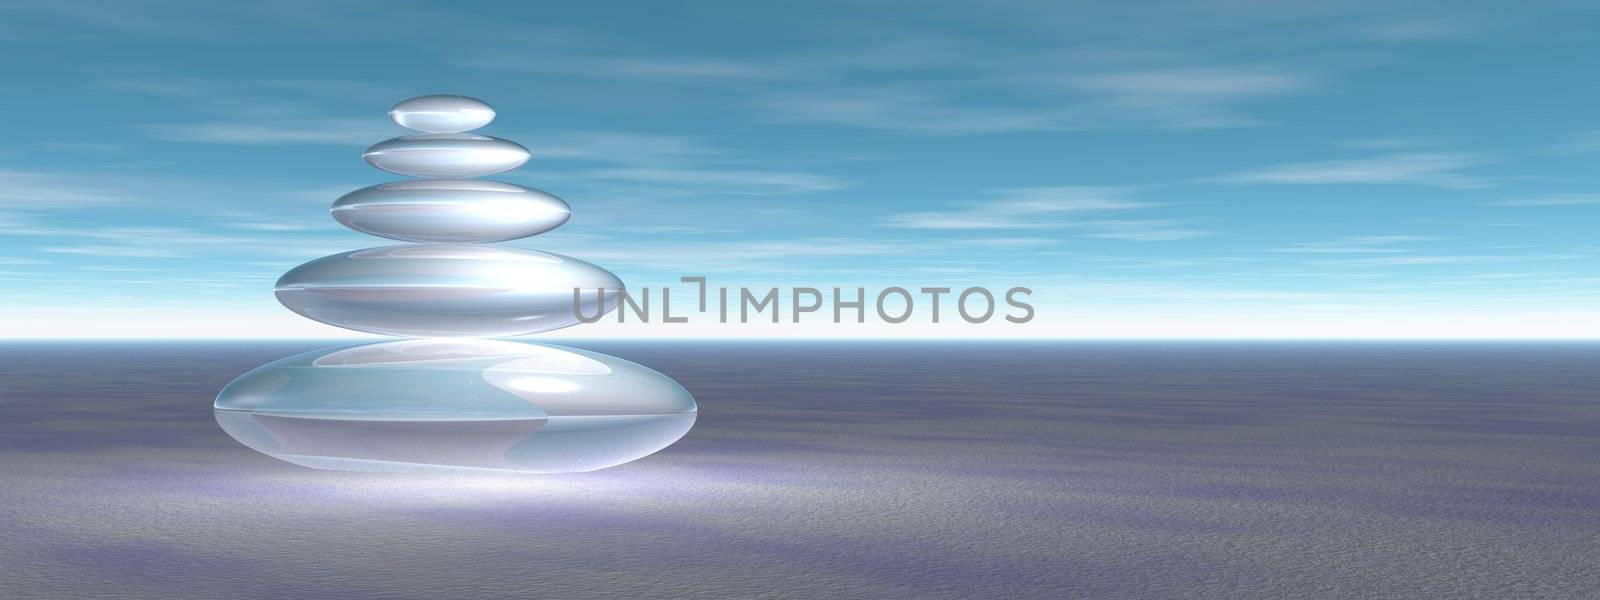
(442, 113)
(450, 211)
(446, 155)
(448, 290)
(432, 405)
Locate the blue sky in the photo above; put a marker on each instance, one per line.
(1216, 169)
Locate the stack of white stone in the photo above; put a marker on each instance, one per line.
(457, 402)
(452, 286)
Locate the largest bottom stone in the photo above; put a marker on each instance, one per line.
(449, 405)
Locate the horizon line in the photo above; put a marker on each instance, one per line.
(560, 340)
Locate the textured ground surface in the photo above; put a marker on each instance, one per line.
(827, 471)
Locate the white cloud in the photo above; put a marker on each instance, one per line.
(113, 251)
(1008, 242)
(176, 242)
(1552, 200)
(1143, 230)
(1395, 142)
(84, 147)
(1195, 82)
(722, 181)
(1437, 169)
(618, 147)
(232, 22)
(1368, 244)
(903, 78)
(265, 111)
(1417, 30)
(1020, 208)
(905, 109)
(22, 190)
(349, 132)
(1061, 207)
(1447, 259)
(1052, 208)
(1582, 142)
(1030, 97)
(566, 61)
(280, 225)
(755, 256)
(120, 269)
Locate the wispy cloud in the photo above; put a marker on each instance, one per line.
(1431, 169)
(265, 111)
(1043, 98)
(571, 61)
(113, 251)
(1447, 259)
(287, 21)
(1396, 143)
(255, 97)
(759, 256)
(723, 181)
(323, 194)
(26, 190)
(347, 132)
(180, 242)
(904, 109)
(918, 80)
(1369, 244)
(1007, 242)
(84, 147)
(280, 225)
(1053, 208)
(1196, 82)
(1417, 30)
(1582, 142)
(1551, 200)
(1143, 230)
(619, 147)
(641, 165)
(1052, 74)
(119, 269)
(1020, 208)
(1200, 97)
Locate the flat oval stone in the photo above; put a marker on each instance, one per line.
(448, 290)
(446, 405)
(450, 211)
(442, 113)
(446, 155)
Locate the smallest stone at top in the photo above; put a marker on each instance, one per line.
(442, 113)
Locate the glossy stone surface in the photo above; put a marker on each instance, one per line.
(450, 211)
(430, 405)
(448, 290)
(446, 155)
(442, 113)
